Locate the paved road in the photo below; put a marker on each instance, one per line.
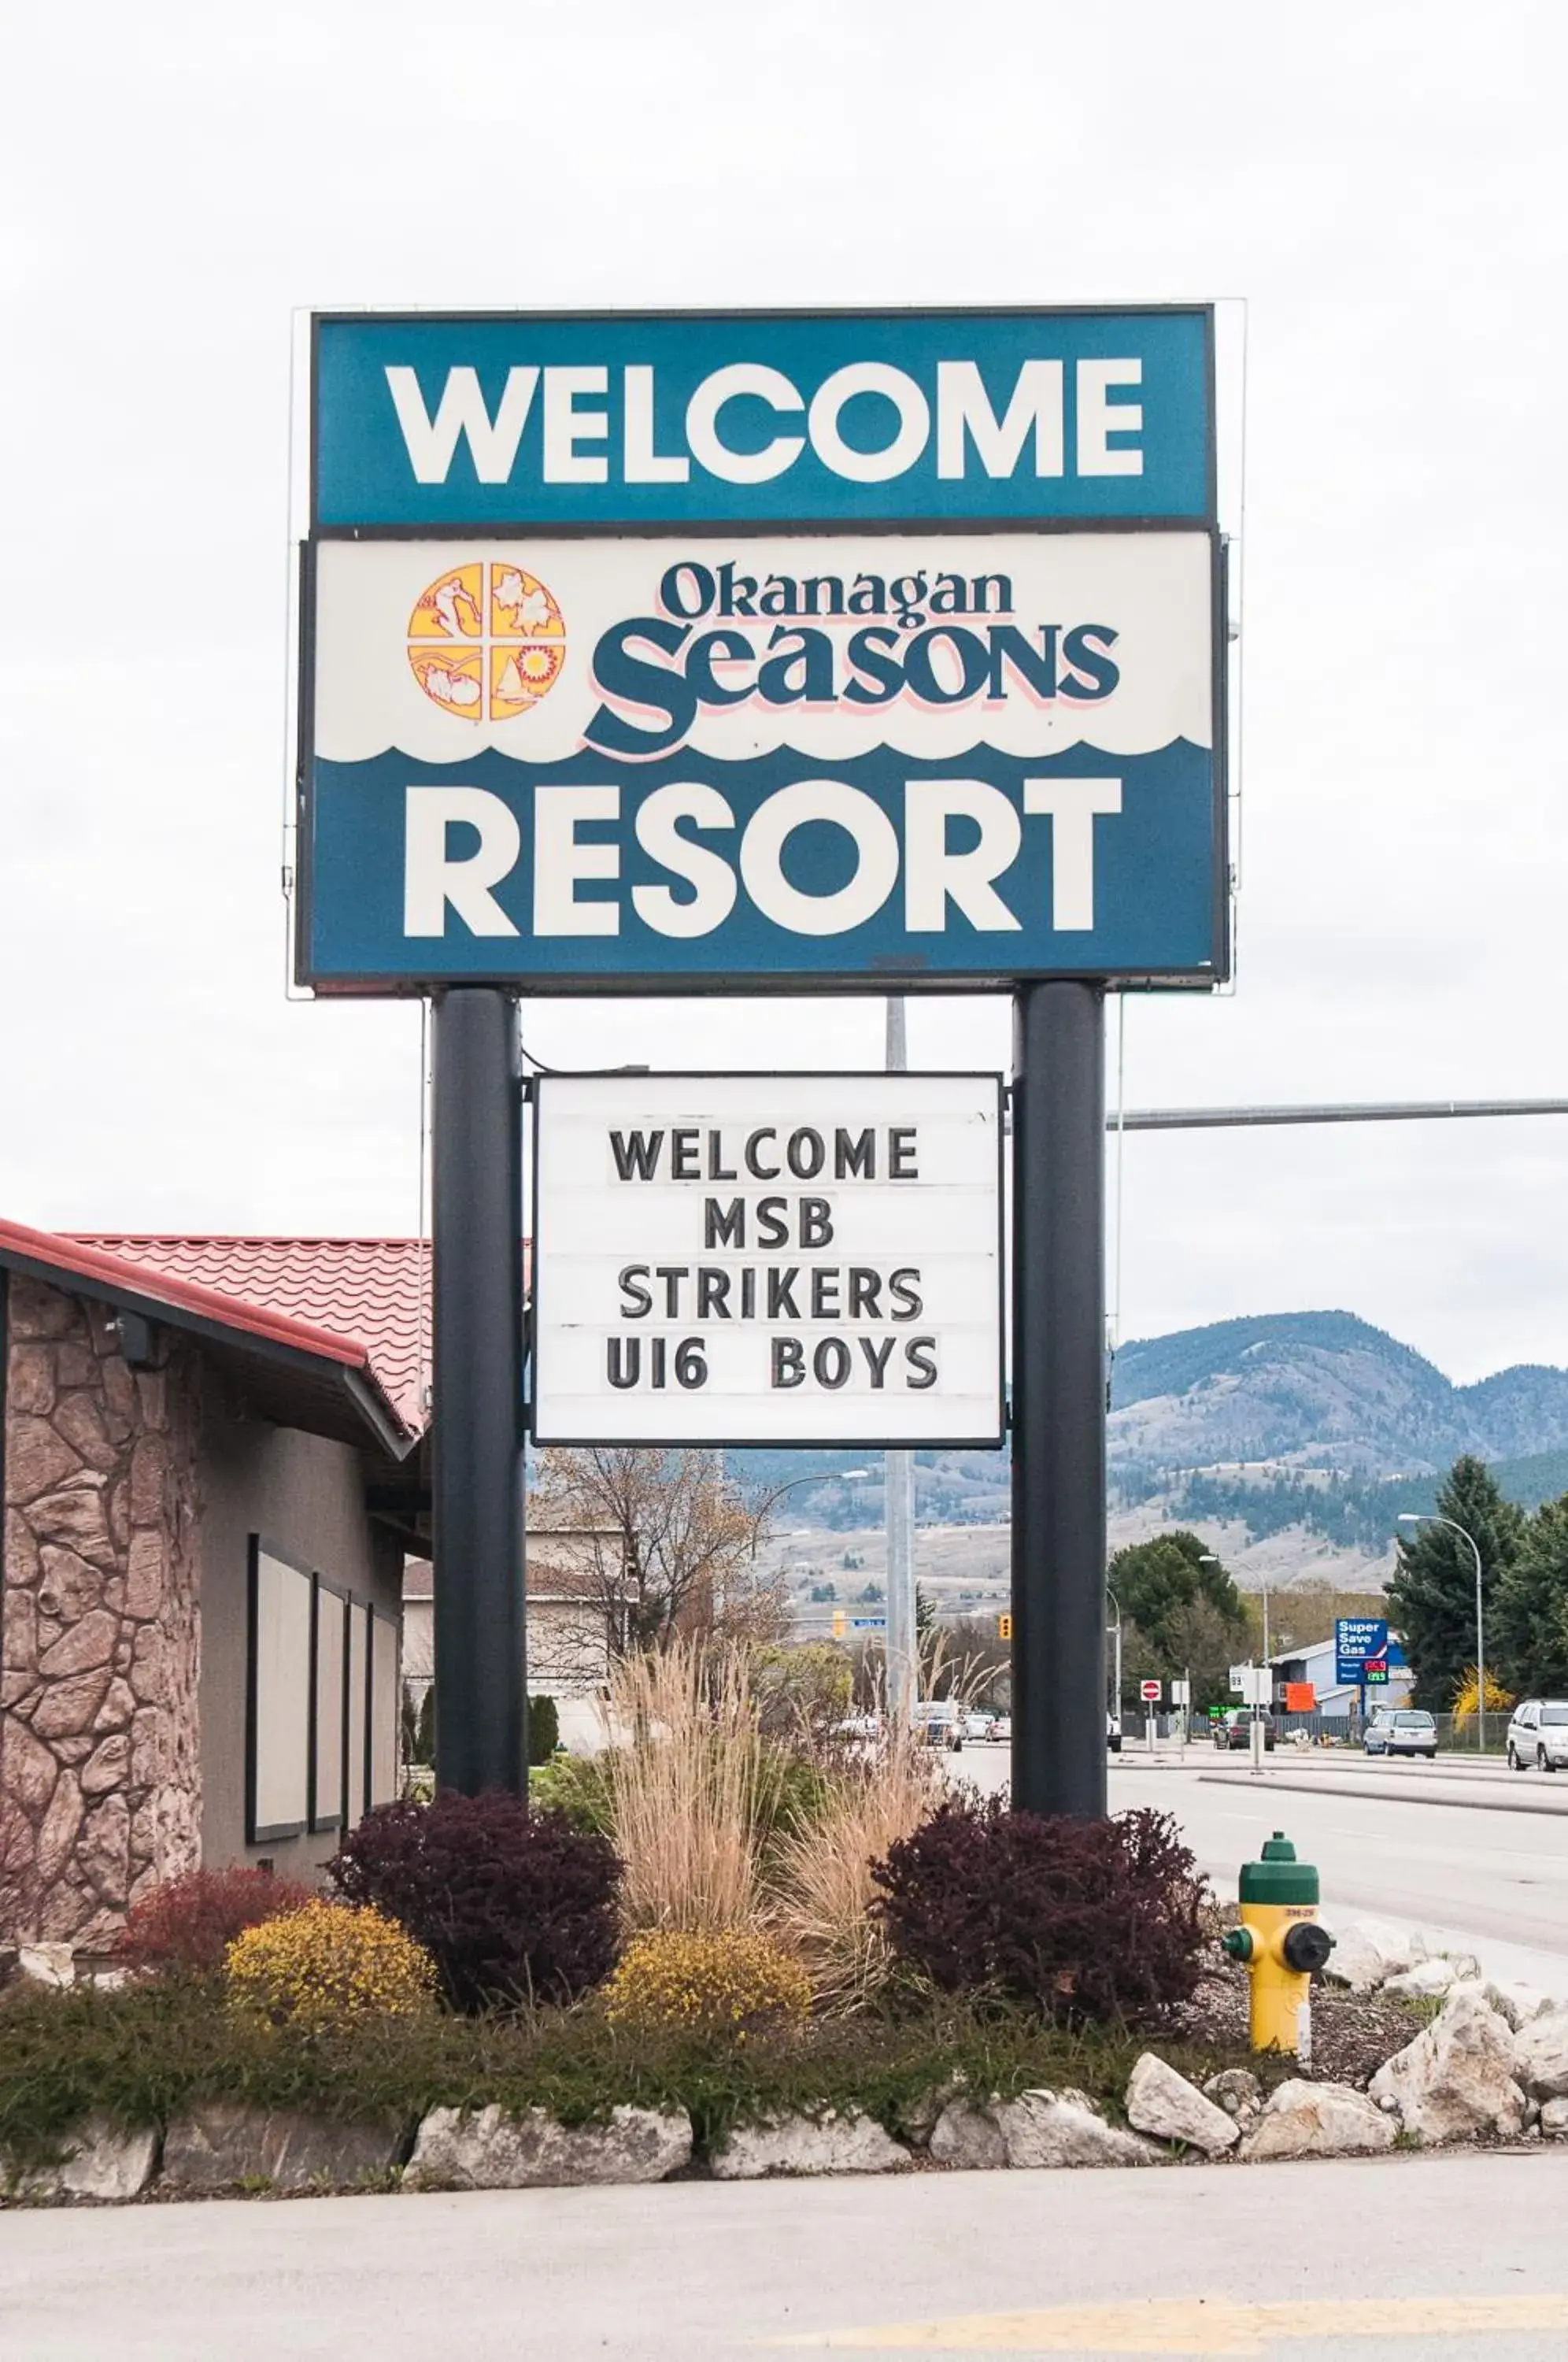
(1471, 1877)
(1444, 2259)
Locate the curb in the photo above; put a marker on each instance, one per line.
(1381, 1793)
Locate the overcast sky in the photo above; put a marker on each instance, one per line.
(1382, 185)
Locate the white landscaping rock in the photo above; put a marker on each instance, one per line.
(47, 1964)
(1554, 2119)
(1519, 2005)
(1456, 2081)
(1043, 2128)
(1540, 2056)
(1317, 2120)
(1428, 1980)
(492, 2150)
(851, 2142)
(219, 2144)
(1165, 2104)
(1238, 2092)
(103, 2161)
(1363, 1958)
(968, 2138)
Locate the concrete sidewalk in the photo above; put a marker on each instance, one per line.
(1457, 2259)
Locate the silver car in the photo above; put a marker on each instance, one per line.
(1401, 1730)
(1538, 1735)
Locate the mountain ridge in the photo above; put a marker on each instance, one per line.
(1320, 1389)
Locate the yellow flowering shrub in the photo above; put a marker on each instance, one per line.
(327, 1963)
(723, 1983)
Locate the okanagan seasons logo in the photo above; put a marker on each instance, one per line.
(721, 638)
(486, 641)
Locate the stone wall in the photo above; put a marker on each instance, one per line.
(100, 1778)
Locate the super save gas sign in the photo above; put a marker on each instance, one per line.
(599, 760)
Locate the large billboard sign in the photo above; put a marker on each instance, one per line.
(730, 1259)
(762, 654)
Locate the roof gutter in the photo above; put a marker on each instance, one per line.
(357, 1384)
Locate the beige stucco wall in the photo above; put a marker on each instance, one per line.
(130, 1499)
(305, 1497)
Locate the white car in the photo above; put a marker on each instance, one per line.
(1401, 1730)
(1538, 1735)
(976, 1725)
(1002, 1729)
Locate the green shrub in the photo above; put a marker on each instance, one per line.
(151, 2051)
(544, 1730)
(574, 1786)
(419, 1726)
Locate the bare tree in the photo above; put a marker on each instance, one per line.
(669, 1544)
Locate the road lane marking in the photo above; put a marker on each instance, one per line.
(1218, 2325)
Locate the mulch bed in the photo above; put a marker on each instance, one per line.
(1353, 2034)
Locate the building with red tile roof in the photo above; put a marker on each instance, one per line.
(212, 1458)
(373, 1291)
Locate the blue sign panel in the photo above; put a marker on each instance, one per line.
(844, 761)
(1360, 1642)
(451, 424)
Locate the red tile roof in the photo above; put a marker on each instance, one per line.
(365, 1299)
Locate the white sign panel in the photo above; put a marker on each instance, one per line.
(733, 1259)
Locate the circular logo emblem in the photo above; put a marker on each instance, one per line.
(486, 641)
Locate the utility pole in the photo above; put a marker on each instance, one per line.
(903, 1670)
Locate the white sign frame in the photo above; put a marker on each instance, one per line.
(965, 1112)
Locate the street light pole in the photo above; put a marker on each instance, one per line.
(1117, 1604)
(1413, 1518)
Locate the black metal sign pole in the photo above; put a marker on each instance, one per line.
(477, 1335)
(1058, 1399)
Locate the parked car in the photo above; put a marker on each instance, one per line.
(1113, 1734)
(1400, 1730)
(1538, 1735)
(939, 1724)
(1234, 1732)
(859, 1725)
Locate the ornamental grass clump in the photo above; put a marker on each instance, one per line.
(328, 1963)
(690, 1790)
(713, 1981)
(823, 1872)
(1082, 1920)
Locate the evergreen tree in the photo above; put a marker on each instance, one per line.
(1528, 1643)
(1431, 1599)
(1178, 1614)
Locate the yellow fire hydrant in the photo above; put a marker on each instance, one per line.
(1281, 1941)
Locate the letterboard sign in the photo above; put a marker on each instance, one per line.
(735, 1259)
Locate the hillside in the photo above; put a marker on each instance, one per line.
(1311, 1422)
(1319, 1390)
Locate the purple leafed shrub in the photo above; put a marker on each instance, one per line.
(510, 1905)
(1081, 1919)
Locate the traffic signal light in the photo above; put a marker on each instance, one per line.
(1004, 1628)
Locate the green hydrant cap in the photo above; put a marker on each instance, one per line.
(1277, 1876)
